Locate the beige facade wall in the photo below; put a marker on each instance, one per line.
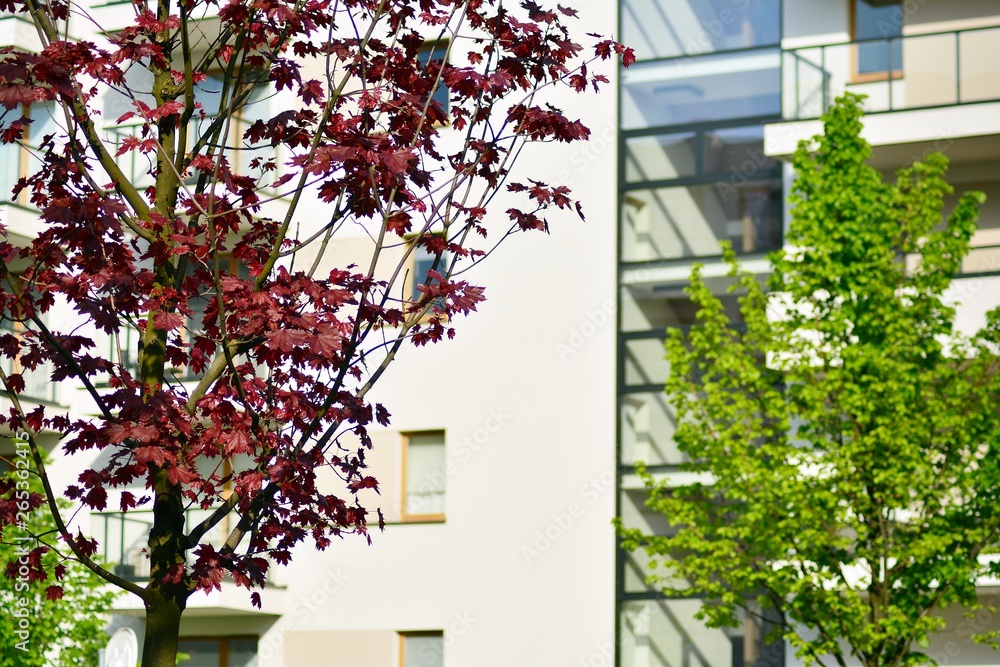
(359, 648)
(923, 16)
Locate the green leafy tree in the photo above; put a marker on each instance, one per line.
(847, 433)
(41, 625)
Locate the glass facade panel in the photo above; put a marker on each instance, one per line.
(680, 222)
(928, 70)
(738, 151)
(655, 307)
(648, 423)
(639, 566)
(644, 362)
(695, 90)
(730, 151)
(661, 157)
(664, 633)
(696, 176)
(667, 28)
(806, 82)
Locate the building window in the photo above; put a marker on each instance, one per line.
(228, 266)
(423, 476)
(878, 25)
(240, 153)
(18, 160)
(194, 324)
(436, 53)
(137, 166)
(422, 260)
(217, 651)
(421, 649)
(124, 348)
(38, 381)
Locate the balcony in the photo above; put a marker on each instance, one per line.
(123, 538)
(934, 91)
(897, 73)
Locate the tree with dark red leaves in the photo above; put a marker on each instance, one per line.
(196, 219)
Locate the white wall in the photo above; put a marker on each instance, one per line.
(538, 358)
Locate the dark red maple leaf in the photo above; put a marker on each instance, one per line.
(13, 95)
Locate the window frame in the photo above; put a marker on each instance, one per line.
(229, 266)
(870, 77)
(431, 47)
(422, 517)
(410, 294)
(403, 634)
(25, 148)
(17, 328)
(223, 641)
(234, 147)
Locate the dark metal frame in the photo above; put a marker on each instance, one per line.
(888, 41)
(621, 390)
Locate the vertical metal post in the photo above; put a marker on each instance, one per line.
(798, 95)
(890, 78)
(958, 70)
(826, 80)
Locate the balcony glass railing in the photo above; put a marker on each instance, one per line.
(137, 165)
(124, 539)
(896, 73)
(702, 89)
(689, 221)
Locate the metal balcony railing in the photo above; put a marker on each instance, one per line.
(897, 73)
(138, 165)
(124, 540)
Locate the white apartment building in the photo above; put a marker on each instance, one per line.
(513, 447)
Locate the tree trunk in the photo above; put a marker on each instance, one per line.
(163, 625)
